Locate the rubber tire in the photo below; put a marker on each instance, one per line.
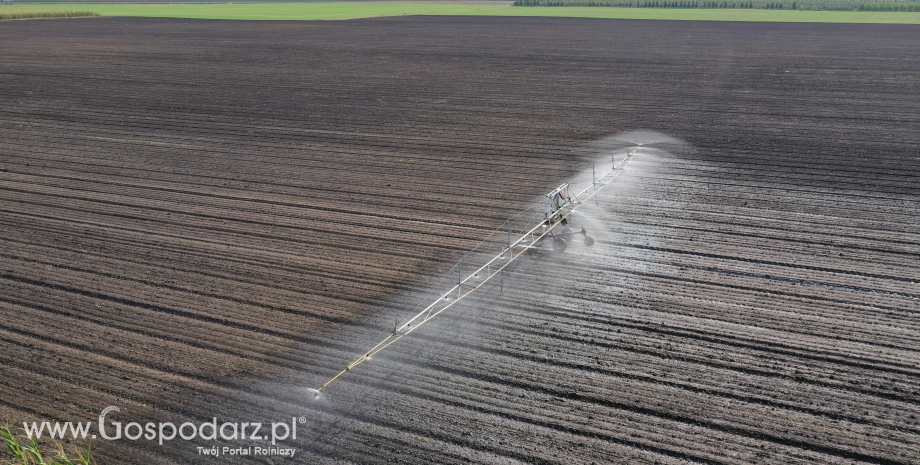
(559, 244)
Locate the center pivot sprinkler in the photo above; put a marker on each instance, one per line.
(558, 205)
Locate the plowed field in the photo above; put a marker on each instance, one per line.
(201, 219)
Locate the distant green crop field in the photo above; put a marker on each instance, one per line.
(331, 11)
(31, 14)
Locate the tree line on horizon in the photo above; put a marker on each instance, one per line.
(825, 5)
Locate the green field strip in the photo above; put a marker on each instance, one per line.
(351, 10)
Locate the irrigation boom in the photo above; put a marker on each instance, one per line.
(558, 205)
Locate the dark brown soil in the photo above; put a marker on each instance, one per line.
(202, 219)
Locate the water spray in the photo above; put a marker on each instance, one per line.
(559, 204)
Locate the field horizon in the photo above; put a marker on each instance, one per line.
(355, 10)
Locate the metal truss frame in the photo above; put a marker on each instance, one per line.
(555, 212)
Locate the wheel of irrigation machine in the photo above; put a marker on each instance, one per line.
(559, 244)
